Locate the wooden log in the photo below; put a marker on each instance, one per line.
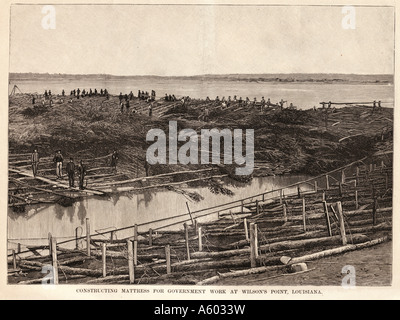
(200, 237)
(168, 258)
(104, 259)
(88, 237)
(253, 245)
(185, 226)
(343, 249)
(245, 230)
(54, 259)
(130, 262)
(341, 223)
(304, 215)
(328, 223)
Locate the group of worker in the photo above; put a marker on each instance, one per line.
(71, 168)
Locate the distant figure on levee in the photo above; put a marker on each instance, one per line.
(120, 97)
(77, 93)
(114, 160)
(58, 159)
(146, 167)
(45, 93)
(82, 172)
(150, 110)
(35, 162)
(71, 172)
(127, 105)
(206, 114)
(63, 93)
(33, 100)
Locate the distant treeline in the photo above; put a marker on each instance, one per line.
(293, 77)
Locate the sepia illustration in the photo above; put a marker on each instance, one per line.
(223, 145)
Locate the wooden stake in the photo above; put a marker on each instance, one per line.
(130, 262)
(356, 199)
(14, 258)
(328, 222)
(284, 213)
(258, 209)
(135, 232)
(304, 215)
(76, 239)
(245, 229)
(87, 237)
(323, 196)
(341, 223)
(104, 260)
(343, 177)
(327, 182)
(168, 258)
(54, 259)
(375, 204)
(241, 208)
(200, 236)
(196, 226)
(253, 245)
(340, 189)
(280, 196)
(190, 214)
(187, 240)
(150, 237)
(49, 237)
(298, 192)
(112, 236)
(316, 186)
(19, 248)
(135, 248)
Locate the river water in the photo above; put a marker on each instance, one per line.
(302, 95)
(33, 226)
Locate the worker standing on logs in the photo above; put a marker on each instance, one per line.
(262, 104)
(114, 160)
(71, 172)
(35, 162)
(82, 172)
(58, 159)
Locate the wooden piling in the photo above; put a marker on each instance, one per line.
(328, 222)
(54, 259)
(304, 215)
(343, 177)
(241, 207)
(19, 247)
(356, 199)
(49, 237)
(14, 259)
(135, 232)
(168, 258)
(130, 262)
(280, 196)
(200, 237)
(104, 258)
(327, 182)
(316, 186)
(76, 238)
(257, 208)
(341, 223)
(112, 236)
(340, 189)
(323, 196)
(135, 250)
(253, 245)
(87, 237)
(284, 213)
(245, 229)
(150, 237)
(187, 241)
(298, 192)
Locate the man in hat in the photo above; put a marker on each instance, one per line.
(35, 162)
(71, 172)
(58, 159)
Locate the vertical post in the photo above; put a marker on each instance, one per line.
(190, 214)
(370, 167)
(49, 237)
(304, 215)
(135, 248)
(253, 245)
(168, 258)
(200, 236)
(187, 240)
(14, 259)
(340, 189)
(241, 208)
(245, 229)
(196, 226)
(357, 174)
(343, 177)
(135, 232)
(112, 236)
(341, 223)
(87, 237)
(104, 258)
(280, 196)
(327, 181)
(257, 208)
(284, 213)
(356, 199)
(19, 248)
(150, 237)
(130, 262)
(316, 186)
(374, 211)
(54, 259)
(328, 222)
(263, 197)
(76, 239)
(323, 196)
(298, 192)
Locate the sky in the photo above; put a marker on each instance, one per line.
(184, 40)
